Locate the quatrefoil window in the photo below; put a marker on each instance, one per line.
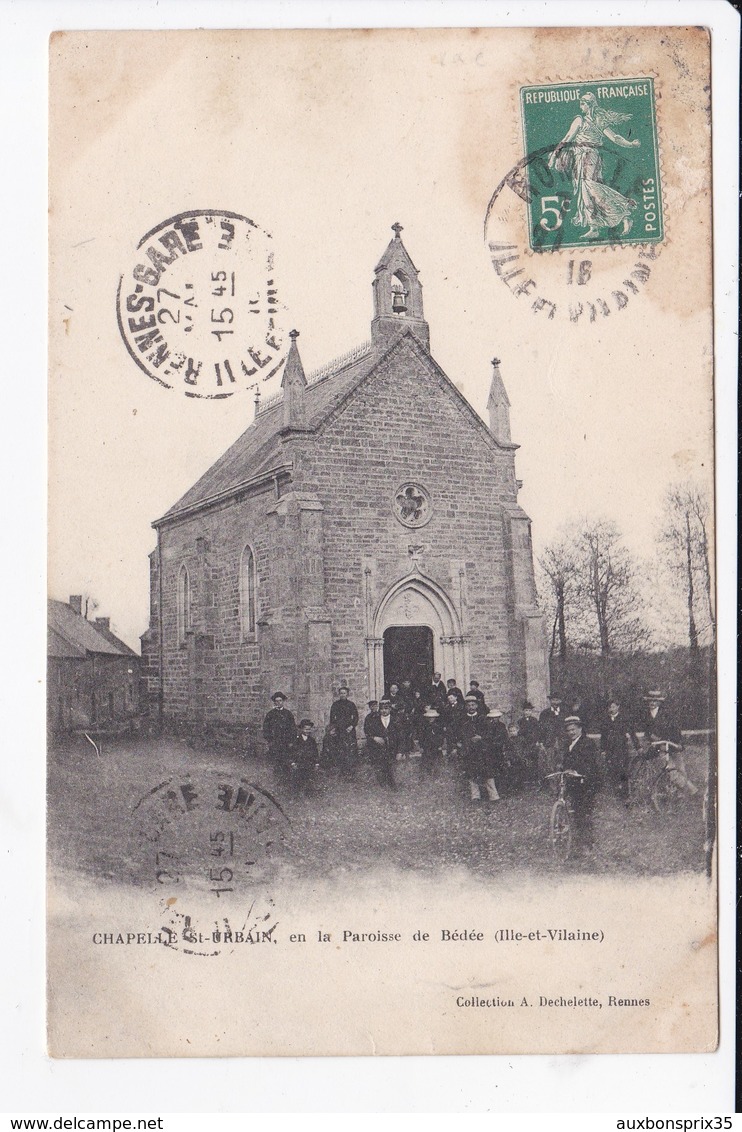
(412, 505)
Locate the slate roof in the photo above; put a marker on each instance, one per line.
(71, 635)
(258, 449)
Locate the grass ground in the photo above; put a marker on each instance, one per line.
(349, 827)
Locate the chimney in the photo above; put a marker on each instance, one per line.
(76, 603)
(104, 622)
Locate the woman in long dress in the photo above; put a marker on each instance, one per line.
(578, 155)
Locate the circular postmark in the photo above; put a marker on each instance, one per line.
(209, 846)
(198, 307)
(573, 228)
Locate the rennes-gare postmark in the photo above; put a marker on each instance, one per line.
(198, 308)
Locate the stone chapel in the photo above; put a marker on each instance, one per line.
(364, 528)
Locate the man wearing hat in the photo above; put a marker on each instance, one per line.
(452, 688)
(497, 742)
(476, 753)
(551, 726)
(582, 756)
(618, 742)
(451, 718)
(373, 710)
(382, 732)
(658, 727)
(529, 732)
(475, 690)
(431, 740)
(304, 757)
(279, 731)
(342, 733)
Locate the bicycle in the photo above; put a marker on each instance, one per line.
(660, 788)
(561, 824)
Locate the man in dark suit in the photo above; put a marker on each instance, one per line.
(452, 687)
(551, 726)
(581, 755)
(279, 731)
(451, 717)
(436, 696)
(382, 732)
(431, 741)
(529, 733)
(659, 727)
(476, 753)
(342, 733)
(618, 743)
(304, 757)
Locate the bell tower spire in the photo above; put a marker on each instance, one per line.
(398, 296)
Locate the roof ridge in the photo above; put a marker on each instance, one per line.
(328, 369)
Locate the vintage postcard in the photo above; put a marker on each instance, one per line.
(382, 619)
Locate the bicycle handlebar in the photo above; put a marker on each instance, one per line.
(568, 773)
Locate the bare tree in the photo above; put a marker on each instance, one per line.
(609, 588)
(684, 540)
(558, 566)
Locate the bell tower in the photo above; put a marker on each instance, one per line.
(398, 296)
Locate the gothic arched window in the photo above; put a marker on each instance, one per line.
(183, 603)
(248, 593)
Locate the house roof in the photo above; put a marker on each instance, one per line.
(71, 635)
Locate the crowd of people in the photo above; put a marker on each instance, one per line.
(496, 759)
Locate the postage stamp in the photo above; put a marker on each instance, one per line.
(594, 177)
(198, 307)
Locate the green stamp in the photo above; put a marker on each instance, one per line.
(592, 162)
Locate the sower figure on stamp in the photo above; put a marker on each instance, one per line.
(279, 731)
(343, 743)
(618, 742)
(597, 205)
(477, 755)
(304, 758)
(581, 755)
(382, 733)
(551, 725)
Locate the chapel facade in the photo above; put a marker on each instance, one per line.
(364, 528)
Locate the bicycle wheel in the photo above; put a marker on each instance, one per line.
(560, 830)
(664, 793)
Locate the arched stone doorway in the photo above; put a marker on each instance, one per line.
(416, 602)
